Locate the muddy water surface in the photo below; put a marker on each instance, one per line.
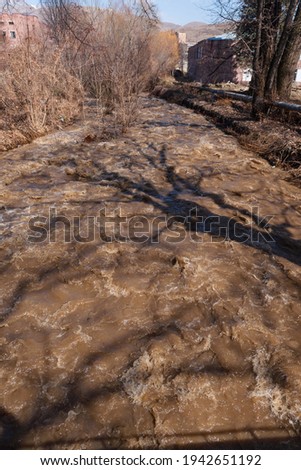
(178, 328)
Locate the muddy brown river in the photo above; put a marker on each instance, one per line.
(150, 288)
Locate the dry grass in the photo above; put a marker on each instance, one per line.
(270, 144)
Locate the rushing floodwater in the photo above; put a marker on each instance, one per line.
(180, 327)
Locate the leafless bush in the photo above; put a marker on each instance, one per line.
(37, 93)
(112, 54)
(115, 52)
(131, 54)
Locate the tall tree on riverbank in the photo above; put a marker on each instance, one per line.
(277, 47)
(270, 39)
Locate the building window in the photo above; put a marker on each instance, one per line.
(199, 52)
(4, 33)
(13, 34)
(11, 22)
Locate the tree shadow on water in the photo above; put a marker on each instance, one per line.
(260, 234)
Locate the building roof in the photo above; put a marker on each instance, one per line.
(16, 6)
(223, 37)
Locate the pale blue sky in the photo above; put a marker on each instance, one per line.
(174, 11)
(185, 11)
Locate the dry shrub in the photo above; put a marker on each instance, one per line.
(112, 54)
(37, 93)
(115, 52)
(121, 61)
(132, 57)
(165, 56)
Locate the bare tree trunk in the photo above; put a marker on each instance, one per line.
(283, 45)
(258, 82)
(270, 32)
(288, 64)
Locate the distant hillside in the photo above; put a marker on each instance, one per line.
(170, 26)
(196, 31)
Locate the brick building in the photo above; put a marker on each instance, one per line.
(213, 60)
(18, 22)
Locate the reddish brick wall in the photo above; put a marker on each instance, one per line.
(16, 28)
(214, 61)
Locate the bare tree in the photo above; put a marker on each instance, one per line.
(271, 29)
(149, 9)
(290, 57)
(113, 51)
